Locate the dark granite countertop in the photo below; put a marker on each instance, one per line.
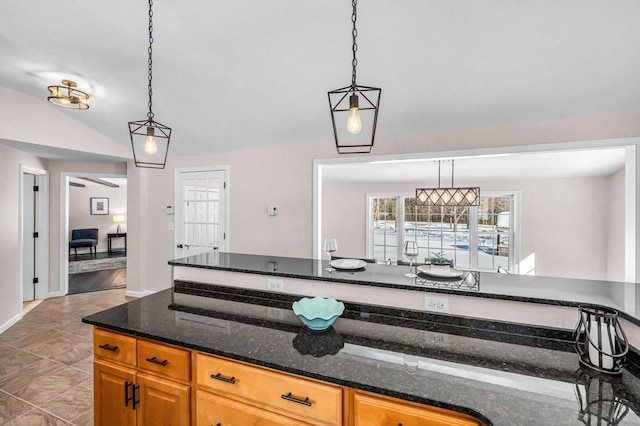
(523, 288)
(502, 378)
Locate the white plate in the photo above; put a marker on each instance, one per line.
(440, 273)
(348, 263)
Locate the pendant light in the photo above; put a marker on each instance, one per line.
(150, 139)
(67, 96)
(354, 108)
(469, 196)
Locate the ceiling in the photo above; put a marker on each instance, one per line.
(236, 74)
(500, 167)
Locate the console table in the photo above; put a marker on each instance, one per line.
(116, 235)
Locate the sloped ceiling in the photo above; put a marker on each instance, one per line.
(237, 74)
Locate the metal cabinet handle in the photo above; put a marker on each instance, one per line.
(288, 397)
(127, 398)
(108, 347)
(231, 380)
(135, 401)
(155, 360)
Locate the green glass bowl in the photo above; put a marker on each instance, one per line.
(318, 313)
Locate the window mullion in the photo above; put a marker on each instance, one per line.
(399, 227)
(473, 238)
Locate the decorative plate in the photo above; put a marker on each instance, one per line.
(348, 264)
(440, 273)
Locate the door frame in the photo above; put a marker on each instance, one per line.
(227, 178)
(64, 223)
(42, 212)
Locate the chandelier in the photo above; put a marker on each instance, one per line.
(67, 96)
(349, 113)
(150, 139)
(452, 196)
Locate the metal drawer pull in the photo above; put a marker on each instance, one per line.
(155, 360)
(288, 397)
(220, 377)
(108, 347)
(127, 398)
(135, 401)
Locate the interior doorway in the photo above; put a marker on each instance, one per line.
(93, 232)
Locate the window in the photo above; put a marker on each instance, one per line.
(384, 228)
(479, 237)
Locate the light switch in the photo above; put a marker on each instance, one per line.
(272, 211)
(170, 226)
(168, 209)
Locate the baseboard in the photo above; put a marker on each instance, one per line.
(54, 294)
(131, 293)
(4, 327)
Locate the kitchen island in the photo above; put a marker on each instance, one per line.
(501, 374)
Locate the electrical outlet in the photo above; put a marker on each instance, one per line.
(275, 314)
(435, 304)
(275, 284)
(431, 338)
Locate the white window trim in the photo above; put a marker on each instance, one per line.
(514, 223)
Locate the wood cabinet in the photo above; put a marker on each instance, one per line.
(370, 410)
(112, 406)
(299, 398)
(140, 383)
(143, 383)
(217, 410)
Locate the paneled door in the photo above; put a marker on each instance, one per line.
(200, 222)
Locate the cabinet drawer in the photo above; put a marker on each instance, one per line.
(114, 347)
(375, 411)
(292, 396)
(216, 410)
(164, 360)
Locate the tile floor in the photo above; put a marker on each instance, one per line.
(46, 362)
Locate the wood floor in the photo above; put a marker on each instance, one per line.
(46, 362)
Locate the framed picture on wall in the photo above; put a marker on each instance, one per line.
(99, 205)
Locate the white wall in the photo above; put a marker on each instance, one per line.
(80, 216)
(282, 175)
(614, 226)
(561, 225)
(10, 176)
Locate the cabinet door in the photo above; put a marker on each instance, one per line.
(375, 411)
(214, 410)
(112, 385)
(162, 402)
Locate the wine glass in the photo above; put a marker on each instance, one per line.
(330, 247)
(411, 252)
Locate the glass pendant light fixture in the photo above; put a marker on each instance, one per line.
(67, 96)
(150, 139)
(452, 196)
(354, 108)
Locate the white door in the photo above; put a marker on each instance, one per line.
(200, 212)
(29, 242)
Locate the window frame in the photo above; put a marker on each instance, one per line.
(514, 223)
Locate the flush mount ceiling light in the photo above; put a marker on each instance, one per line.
(354, 109)
(150, 139)
(452, 196)
(67, 96)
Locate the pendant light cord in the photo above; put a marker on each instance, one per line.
(354, 48)
(150, 113)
